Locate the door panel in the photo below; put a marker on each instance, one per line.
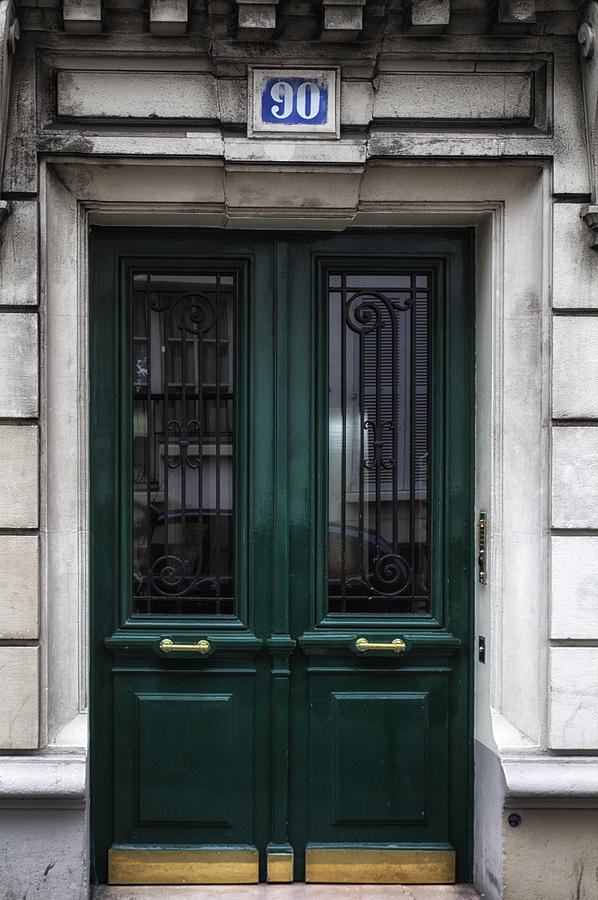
(281, 517)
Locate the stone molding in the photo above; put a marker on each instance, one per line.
(550, 781)
(56, 781)
(588, 38)
(9, 35)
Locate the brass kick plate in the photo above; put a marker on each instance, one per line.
(337, 865)
(214, 865)
(280, 868)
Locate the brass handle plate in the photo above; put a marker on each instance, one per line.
(397, 646)
(201, 647)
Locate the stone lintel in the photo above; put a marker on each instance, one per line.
(82, 16)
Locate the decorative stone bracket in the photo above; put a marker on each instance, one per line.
(588, 38)
(9, 35)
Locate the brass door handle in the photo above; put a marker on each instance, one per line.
(202, 647)
(397, 646)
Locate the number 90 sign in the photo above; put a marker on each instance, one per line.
(296, 101)
(301, 102)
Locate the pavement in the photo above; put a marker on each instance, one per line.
(297, 891)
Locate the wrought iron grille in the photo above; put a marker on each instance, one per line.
(378, 545)
(183, 443)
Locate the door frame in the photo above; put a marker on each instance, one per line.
(498, 198)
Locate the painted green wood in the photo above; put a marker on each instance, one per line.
(288, 671)
(184, 757)
(378, 756)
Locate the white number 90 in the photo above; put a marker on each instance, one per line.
(282, 94)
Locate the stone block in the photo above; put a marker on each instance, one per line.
(256, 20)
(575, 367)
(430, 15)
(82, 16)
(575, 264)
(516, 12)
(19, 698)
(168, 16)
(18, 476)
(444, 96)
(553, 855)
(342, 21)
(574, 698)
(18, 365)
(45, 853)
(136, 95)
(19, 587)
(19, 255)
(575, 477)
(574, 582)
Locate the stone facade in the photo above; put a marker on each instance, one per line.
(453, 113)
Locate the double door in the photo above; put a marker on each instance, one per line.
(281, 556)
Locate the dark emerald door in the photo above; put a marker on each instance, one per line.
(281, 565)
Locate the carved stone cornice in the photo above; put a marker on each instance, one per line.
(588, 39)
(9, 35)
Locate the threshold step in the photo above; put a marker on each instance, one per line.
(298, 891)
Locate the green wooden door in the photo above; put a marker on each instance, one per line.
(281, 556)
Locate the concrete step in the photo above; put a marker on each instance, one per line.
(298, 891)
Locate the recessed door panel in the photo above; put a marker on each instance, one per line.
(379, 756)
(185, 752)
(178, 768)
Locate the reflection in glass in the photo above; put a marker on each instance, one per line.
(183, 418)
(378, 557)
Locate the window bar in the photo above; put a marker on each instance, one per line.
(183, 437)
(363, 472)
(201, 419)
(216, 563)
(412, 414)
(395, 434)
(149, 445)
(165, 354)
(344, 443)
(378, 431)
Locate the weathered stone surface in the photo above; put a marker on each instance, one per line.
(451, 96)
(169, 16)
(342, 19)
(19, 698)
(18, 476)
(9, 35)
(575, 264)
(21, 171)
(517, 12)
(256, 20)
(19, 246)
(136, 95)
(45, 853)
(575, 367)
(431, 15)
(19, 587)
(18, 365)
(574, 600)
(82, 16)
(574, 698)
(575, 477)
